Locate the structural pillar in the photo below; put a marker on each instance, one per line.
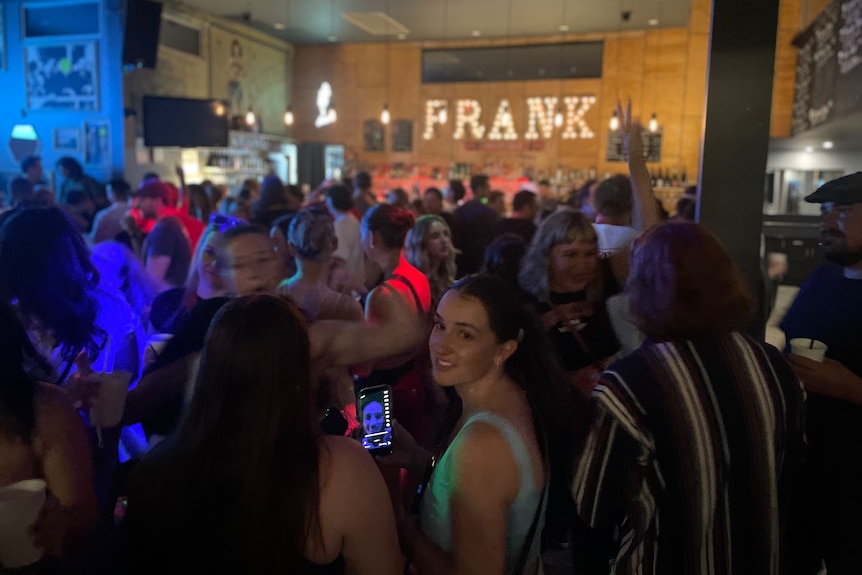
(736, 133)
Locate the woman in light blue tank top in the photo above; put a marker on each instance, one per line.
(483, 509)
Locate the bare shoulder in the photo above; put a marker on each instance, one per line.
(342, 454)
(378, 301)
(349, 308)
(346, 470)
(482, 440)
(485, 462)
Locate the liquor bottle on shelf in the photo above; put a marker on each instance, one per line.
(660, 180)
(652, 178)
(675, 178)
(684, 178)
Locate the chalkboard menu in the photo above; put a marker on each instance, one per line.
(829, 66)
(651, 141)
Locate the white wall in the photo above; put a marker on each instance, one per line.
(848, 161)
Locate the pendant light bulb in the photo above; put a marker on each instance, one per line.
(558, 118)
(653, 124)
(615, 122)
(288, 117)
(384, 115)
(250, 118)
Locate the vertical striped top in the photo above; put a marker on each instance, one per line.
(691, 456)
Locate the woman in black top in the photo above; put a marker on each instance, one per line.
(247, 484)
(570, 284)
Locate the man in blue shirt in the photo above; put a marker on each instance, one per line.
(829, 309)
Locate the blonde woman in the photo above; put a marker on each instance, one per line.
(429, 248)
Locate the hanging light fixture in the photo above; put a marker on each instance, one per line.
(653, 121)
(288, 117)
(615, 121)
(330, 111)
(250, 118)
(559, 118)
(385, 116)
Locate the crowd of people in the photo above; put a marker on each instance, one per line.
(577, 375)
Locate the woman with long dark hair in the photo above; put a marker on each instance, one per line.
(247, 484)
(483, 508)
(75, 323)
(41, 437)
(48, 274)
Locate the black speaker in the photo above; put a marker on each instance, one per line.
(141, 41)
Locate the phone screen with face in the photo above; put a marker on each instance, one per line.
(375, 414)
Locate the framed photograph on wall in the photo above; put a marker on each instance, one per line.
(62, 76)
(2, 36)
(67, 139)
(402, 136)
(373, 136)
(97, 143)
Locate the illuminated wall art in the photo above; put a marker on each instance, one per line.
(544, 115)
(541, 112)
(467, 114)
(576, 125)
(325, 109)
(436, 112)
(504, 125)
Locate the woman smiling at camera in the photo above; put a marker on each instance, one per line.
(483, 508)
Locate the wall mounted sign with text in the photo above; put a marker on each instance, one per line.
(545, 117)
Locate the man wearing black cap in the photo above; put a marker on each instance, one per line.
(829, 309)
(167, 250)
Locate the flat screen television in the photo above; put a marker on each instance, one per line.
(185, 123)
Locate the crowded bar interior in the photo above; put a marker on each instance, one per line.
(431, 286)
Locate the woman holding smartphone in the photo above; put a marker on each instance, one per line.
(247, 484)
(483, 509)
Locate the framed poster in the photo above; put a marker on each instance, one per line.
(2, 36)
(651, 143)
(402, 136)
(62, 76)
(67, 139)
(372, 136)
(97, 143)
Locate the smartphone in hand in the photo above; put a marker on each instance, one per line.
(375, 414)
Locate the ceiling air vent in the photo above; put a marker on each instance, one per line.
(376, 23)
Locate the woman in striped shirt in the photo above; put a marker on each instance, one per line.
(697, 434)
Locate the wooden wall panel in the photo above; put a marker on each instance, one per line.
(662, 71)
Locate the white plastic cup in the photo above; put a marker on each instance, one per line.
(156, 343)
(107, 410)
(20, 504)
(809, 348)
